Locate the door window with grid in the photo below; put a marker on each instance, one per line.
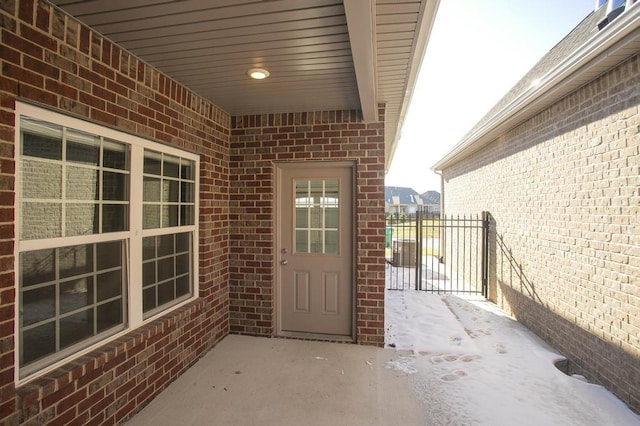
(317, 216)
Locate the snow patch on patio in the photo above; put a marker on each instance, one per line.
(470, 363)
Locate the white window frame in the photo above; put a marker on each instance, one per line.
(133, 316)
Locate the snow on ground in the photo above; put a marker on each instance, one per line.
(470, 364)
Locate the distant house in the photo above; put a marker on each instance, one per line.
(401, 201)
(555, 164)
(431, 199)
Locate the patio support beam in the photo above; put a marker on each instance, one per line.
(361, 22)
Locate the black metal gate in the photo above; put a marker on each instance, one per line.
(437, 253)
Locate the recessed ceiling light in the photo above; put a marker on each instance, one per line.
(258, 73)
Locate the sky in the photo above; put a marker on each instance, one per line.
(477, 51)
(469, 363)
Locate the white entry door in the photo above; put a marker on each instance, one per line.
(315, 248)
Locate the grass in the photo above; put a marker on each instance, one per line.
(407, 229)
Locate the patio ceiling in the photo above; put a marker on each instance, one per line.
(322, 54)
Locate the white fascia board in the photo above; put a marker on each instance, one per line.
(361, 18)
(586, 62)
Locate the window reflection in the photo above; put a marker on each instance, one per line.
(166, 270)
(67, 176)
(168, 191)
(317, 216)
(69, 294)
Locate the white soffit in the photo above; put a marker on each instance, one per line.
(321, 54)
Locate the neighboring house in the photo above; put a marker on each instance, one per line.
(557, 165)
(154, 198)
(431, 199)
(401, 201)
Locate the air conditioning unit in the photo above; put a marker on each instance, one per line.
(404, 253)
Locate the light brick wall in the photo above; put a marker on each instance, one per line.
(50, 59)
(258, 141)
(563, 190)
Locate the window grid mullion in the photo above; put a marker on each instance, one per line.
(162, 225)
(175, 263)
(94, 284)
(309, 208)
(63, 187)
(322, 207)
(56, 263)
(98, 200)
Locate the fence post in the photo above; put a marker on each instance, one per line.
(418, 254)
(485, 254)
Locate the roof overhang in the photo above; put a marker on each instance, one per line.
(361, 21)
(615, 43)
(321, 54)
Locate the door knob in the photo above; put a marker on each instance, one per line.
(284, 262)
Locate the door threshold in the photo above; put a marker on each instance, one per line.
(332, 338)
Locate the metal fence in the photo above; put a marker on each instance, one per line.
(437, 253)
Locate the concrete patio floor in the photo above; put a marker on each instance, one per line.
(252, 380)
(457, 361)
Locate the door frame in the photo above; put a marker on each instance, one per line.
(279, 166)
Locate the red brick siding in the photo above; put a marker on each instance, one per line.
(48, 58)
(256, 142)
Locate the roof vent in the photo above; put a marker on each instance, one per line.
(614, 9)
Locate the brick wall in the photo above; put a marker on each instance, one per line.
(48, 58)
(563, 190)
(258, 141)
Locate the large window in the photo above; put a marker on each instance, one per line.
(168, 201)
(106, 235)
